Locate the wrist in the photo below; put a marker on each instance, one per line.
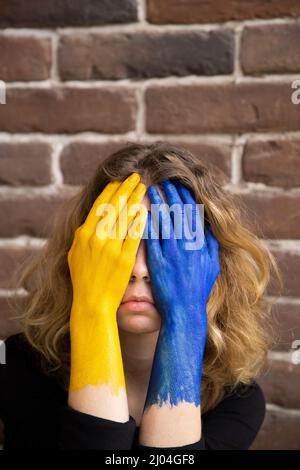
(176, 373)
(96, 356)
(96, 370)
(183, 328)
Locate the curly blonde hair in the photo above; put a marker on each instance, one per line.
(238, 328)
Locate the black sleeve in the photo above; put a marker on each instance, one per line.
(235, 421)
(83, 431)
(29, 400)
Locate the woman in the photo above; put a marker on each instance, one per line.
(130, 339)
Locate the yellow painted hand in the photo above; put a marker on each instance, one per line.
(101, 260)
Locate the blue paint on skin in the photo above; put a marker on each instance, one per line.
(181, 282)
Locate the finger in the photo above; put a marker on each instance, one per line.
(193, 212)
(105, 225)
(135, 233)
(120, 198)
(171, 192)
(129, 212)
(160, 216)
(97, 207)
(177, 211)
(152, 239)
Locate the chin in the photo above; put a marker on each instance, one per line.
(138, 322)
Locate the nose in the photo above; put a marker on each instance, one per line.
(140, 269)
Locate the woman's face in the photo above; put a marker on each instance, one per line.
(139, 316)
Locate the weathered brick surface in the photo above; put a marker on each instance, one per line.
(273, 162)
(10, 259)
(289, 265)
(285, 324)
(9, 324)
(246, 107)
(67, 110)
(49, 13)
(271, 49)
(210, 11)
(272, 215)
(24, 58)
(79, 160)
(30, 215)
(145, 55)
(280, 431)
(27, 164)
(281, 384)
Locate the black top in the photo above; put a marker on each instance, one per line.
(34, 409)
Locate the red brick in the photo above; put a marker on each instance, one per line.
(68, 110)
(24, 58)
(8, 325)
(272, 215)
(79, 160)
(245, 107)
(210, 11)
(145, 54)
(30, 215)
(61, 13)
(289, 265)
(274, 162)
(285, 323)
(281, 384)
(26, 163)
(10, 259)
(271, 49)
(280, 431)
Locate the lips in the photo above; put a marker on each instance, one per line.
(136, 298)
(137, 304)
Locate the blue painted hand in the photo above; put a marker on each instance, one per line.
(182, 280)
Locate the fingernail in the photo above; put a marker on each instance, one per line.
(141, 188)
(134, 178)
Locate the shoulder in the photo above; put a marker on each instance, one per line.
(236, 420)
(22, 379)
(17, 344)
(16, 352)
(19, 357)
(245, 398)
(30, 400)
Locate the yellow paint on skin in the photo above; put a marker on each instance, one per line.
(100, 271)
(98, 359)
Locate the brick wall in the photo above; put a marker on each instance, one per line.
(83, 78)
